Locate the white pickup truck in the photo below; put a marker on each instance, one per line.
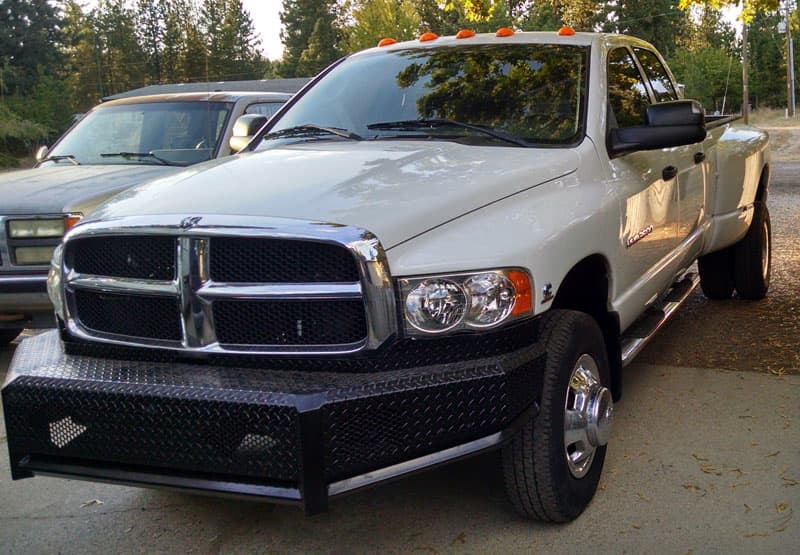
(441, 247)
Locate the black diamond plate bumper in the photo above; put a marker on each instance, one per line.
(284, 435)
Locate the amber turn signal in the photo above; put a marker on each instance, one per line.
(70, 221)
(386, 42)
(522, 284)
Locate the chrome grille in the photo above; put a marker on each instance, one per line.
(163, 286)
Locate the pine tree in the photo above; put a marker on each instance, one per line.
(303, 20)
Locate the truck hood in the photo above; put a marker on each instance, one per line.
(66, 188)
(396, 189)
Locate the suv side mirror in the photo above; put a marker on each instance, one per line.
(244, 129)
(669, 124)
(41, 153)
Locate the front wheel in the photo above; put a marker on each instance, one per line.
(553, 466)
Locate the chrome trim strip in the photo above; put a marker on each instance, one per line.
(289, 291)
(195, 291)
(26, 280)
(5, 255)
(121, 285)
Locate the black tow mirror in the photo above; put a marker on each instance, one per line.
(244, 129)
(669, 124)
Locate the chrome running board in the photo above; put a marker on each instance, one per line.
(642, 331)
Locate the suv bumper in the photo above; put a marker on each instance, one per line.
(289, 436)
(24, 302)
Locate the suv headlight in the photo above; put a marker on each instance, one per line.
(475, 300)
(54, 282)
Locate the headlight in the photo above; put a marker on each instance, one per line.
(436, 305)
(477, 300)
(40, 228)
(54, 282)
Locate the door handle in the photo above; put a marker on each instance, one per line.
(699, 157)
(668, 173)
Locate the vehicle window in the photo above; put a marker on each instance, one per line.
(627, 94)
(659, 79)
(181, 132)
(267, 109)
(533, 92)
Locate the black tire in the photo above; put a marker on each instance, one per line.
(753, 256)
(8, 335)
(716, 274)
(537, 473)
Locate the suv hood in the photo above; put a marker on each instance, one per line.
(396, 189)
(63, 188)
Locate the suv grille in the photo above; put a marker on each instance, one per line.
(218, 293)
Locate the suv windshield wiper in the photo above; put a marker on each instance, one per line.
(141, 155)
(431, 123)
(59, 157)
(312, 129)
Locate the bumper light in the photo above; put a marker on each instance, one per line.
(478, 300)
(33, 256)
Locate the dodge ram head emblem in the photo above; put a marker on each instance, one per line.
(190, 222)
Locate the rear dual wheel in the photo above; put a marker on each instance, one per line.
(553, 465)
(745, 266)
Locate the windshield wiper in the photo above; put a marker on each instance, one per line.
(312, 129)
(60, 157)
(439, 122)
(141, 155)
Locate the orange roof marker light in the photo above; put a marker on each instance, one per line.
(465, 34)
(425, 37)
(504, 32)
(566, 31)
(387, 42)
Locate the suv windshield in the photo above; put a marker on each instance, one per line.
(532, 92)
(169, 133)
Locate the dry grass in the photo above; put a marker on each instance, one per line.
(773, 117)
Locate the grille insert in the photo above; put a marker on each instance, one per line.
(134, 316)
(145, 257)
(330, 322)
(247, 260)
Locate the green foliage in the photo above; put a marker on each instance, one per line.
(376, 19)
(309, 25)
(17, 136)
(711, 76)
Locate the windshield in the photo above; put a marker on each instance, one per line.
(533, 92)
(178, 133)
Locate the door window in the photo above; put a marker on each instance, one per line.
(658, 76)
(627, 94)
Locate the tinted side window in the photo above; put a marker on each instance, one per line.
(263, 108)
(627, 95)
(659, 80)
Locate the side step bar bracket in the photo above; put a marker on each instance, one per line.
(644, 329)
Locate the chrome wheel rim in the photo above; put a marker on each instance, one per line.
(765, 251)
(588, 416)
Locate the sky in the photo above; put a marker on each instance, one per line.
(267, 22)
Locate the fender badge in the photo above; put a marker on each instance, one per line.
(639, 236)
(547, 293)
(190, 222)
